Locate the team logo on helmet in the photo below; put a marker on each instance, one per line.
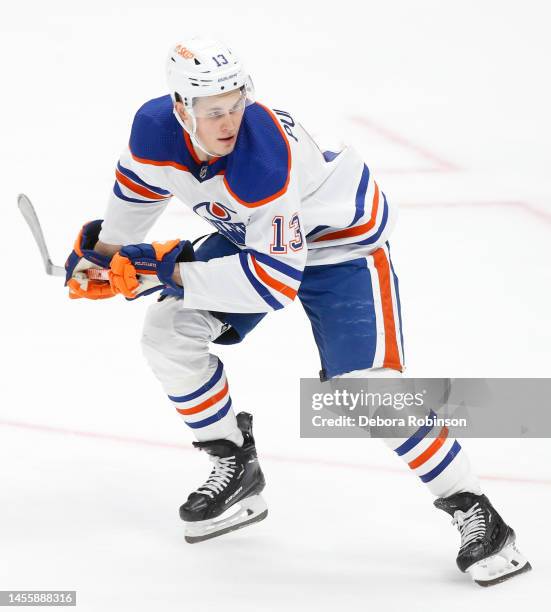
(184, 52)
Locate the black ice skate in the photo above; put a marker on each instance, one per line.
(488, 552)
(230, 499)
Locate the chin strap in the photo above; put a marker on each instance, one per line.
(192, 135)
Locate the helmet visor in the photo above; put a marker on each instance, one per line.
(220, 105)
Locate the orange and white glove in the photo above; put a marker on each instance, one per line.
(86, 270)
(141, 269)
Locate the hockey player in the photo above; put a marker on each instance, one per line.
(291, 221)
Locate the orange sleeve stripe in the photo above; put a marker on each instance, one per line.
(284, 188)
(137, 188)
(431, 450)
(358, 230)
(273, 282)
(392, 354)
(153, 162)
(206, 404)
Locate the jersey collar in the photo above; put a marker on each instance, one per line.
(202, 170)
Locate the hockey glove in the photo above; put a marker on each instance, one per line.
(140, 269)
(85, 268)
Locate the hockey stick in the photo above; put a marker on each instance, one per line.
(27, 210)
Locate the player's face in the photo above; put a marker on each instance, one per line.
(218, 121)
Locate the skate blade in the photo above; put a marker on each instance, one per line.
(246, 512)
(506, 564)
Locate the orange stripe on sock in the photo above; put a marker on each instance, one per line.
(206, 404)
(431, 450)
(273, 282)
(392, 354)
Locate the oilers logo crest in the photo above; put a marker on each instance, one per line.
(220, 216)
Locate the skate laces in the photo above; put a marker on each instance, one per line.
(223, 470)
(471, 524)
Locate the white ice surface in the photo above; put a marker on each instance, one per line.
(449, 103)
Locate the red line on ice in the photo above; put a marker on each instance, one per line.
(525, 206)
(270, 457)
(442, 164)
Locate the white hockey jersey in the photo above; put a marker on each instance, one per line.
(277, 196)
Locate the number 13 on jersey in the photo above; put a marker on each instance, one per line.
(279, 243)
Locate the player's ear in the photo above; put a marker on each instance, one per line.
(181, 110)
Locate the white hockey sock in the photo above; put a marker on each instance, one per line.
(207, 408)
(439, 461)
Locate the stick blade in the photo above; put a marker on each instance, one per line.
(30, 216)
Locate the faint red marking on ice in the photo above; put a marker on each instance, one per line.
(421, 170)
(525, 206)
(270, 457)
(440, 164)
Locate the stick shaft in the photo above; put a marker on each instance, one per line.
(30, 216)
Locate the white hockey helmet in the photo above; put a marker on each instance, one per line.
(201, 67)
